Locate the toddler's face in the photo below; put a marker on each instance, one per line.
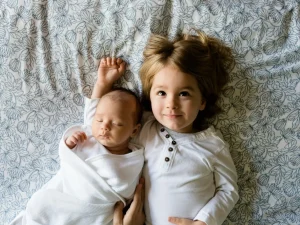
(175, 99)
(113, 123)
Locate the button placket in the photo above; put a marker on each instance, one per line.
(168, 156)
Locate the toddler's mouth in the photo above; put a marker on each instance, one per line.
(172, 116)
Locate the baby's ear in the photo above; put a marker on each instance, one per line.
(202, 106)
(136, 129)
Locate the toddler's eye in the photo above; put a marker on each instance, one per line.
(184, 93)
(161, 93)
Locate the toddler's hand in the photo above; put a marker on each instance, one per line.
(76, 137)
(181, 221)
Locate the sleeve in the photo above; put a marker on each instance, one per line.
(226, 196)
(90, 110)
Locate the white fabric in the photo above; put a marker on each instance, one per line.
(198, 182)
(89, 183)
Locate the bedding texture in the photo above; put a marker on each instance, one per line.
(49, 55)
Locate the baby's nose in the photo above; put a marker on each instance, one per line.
(105, 126)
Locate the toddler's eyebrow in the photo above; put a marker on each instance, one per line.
(189, 88)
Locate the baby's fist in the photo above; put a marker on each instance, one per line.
(76, 137)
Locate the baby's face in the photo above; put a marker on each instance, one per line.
(113, 124)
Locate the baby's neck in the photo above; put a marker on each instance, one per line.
(116, 151)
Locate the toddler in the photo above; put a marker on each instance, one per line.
(190, 177)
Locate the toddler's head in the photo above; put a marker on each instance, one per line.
(117, 119)
(182, 79)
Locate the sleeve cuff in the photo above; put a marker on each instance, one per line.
(205, 218)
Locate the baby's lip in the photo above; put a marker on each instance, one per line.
(104, 135)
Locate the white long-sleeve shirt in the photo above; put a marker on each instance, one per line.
(187, 175)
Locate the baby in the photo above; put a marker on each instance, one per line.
(99, 165)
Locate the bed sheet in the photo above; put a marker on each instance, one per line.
(49, 54)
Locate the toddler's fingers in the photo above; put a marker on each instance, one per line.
(108, 61)
(175, 220)
(122, 67)
(137, 203)
(119, 61)
(142, 182)
(118, 214)
(103, 61)
(113, 61)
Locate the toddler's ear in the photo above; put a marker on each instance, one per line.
(202, 106)
(136, 130)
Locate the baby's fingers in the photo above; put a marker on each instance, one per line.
(79, 136)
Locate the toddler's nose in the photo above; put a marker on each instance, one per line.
(172, 103)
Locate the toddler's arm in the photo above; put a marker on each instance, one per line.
(76, 137)
(226, 196)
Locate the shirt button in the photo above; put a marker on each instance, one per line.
(167, 135)
(173, 142)
(170, 149)
(167, 159)
(162, 129)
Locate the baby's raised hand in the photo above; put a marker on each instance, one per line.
(76, 137)
(110, 70)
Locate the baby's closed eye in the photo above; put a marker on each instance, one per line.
(117, 124)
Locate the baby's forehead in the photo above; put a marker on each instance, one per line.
(118, 97)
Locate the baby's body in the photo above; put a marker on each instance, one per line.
(99, 165)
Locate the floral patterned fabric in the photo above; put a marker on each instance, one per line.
(49, 54)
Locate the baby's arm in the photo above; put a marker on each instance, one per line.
(110, 70)
(77, 136)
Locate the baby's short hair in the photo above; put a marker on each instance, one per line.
(139, 108)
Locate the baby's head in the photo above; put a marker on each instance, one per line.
(193, 69)
(117, 119)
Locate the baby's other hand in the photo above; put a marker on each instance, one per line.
(76, 137)
(181, 221)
